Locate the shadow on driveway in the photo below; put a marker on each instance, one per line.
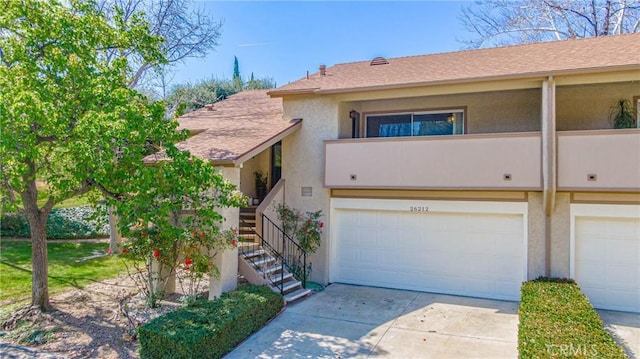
(346, 321)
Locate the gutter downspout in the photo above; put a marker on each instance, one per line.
(548, 162)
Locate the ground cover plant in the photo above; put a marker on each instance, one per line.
(557, 320)
(70, 265)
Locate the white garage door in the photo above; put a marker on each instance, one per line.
(455, 247)
(606, 250)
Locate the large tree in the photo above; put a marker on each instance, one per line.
(69, 117)
(187, 30)
(507, 22)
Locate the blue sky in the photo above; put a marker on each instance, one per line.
(283, 40)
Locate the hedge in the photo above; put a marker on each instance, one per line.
(557, 320)
(63, 223)
(209, 329)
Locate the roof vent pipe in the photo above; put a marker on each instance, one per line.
(323, 70)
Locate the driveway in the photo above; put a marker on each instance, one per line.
(346, 321)
(625, 329)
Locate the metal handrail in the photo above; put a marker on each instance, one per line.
(294, 258)
(265, 246)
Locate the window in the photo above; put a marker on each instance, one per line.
(426, 123)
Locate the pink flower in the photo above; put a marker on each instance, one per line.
(109, 251)
(188, 261)
(156, 253)
(321, 224)
(234, 242)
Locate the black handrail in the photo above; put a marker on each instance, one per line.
(267, 248)
(294, 258)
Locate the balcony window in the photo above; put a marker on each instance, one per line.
(426, 123)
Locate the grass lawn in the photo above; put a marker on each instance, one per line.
(65, 269)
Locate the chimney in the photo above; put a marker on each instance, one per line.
(323, 70)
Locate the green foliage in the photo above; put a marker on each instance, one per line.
(557, 320)
(64, 109)
(194, 96)
(304, 228)
(188, 97)
(237, 80)
(70, 120)
(63, 223)
(209, 329)
(70, 265)
(173, 218)
(622, 115)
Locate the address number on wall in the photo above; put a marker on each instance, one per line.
(418, 209)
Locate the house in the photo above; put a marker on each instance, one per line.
(468, 172)
(239, 136)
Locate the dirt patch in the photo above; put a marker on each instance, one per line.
(91, 322)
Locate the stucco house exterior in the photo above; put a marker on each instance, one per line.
(467, 172)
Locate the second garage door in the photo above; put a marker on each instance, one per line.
(454, 247)
(606, 255)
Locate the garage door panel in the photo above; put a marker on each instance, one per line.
(476, 254)
(623, 276)
(625, 251)
(607, 257)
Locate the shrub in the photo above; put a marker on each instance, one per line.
(557, 320)
(63, 223)
(209, 329)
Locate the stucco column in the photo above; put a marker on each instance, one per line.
(226, 261)
(548, 161)
(163, 281)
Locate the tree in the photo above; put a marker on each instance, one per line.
(187, 31)
(191, 97)
(237, 80)
(507, 22)
(69, 118)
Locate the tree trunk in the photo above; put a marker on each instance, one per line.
(40, 274)
(114, 235)
(40, 265)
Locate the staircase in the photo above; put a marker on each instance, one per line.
(263, 265)
(247, 228)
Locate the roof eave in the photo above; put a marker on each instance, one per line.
(282, 93)
(295, 125)
(522, 76)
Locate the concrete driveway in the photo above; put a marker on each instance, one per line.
(347, 321)
(625, 329)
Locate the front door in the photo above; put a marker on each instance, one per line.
(276, 163)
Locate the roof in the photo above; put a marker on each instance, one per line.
(234, 129)
(610, 53)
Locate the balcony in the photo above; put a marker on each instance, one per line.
(603, 160)
(507, 161)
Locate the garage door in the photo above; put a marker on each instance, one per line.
(454, 247)
(606, 250)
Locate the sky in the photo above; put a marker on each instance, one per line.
(284, 40)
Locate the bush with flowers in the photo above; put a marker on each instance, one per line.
(172, 227)
(306, 229)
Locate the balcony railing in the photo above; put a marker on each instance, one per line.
(602, 160)
(480, 161)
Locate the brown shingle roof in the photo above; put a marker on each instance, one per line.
(521, 61)
(234, 128)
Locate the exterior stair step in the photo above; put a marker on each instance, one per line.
(290, 285)
(302, 292)
(276, 279)
(261, 261)
(269, 270)
(254, 253)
